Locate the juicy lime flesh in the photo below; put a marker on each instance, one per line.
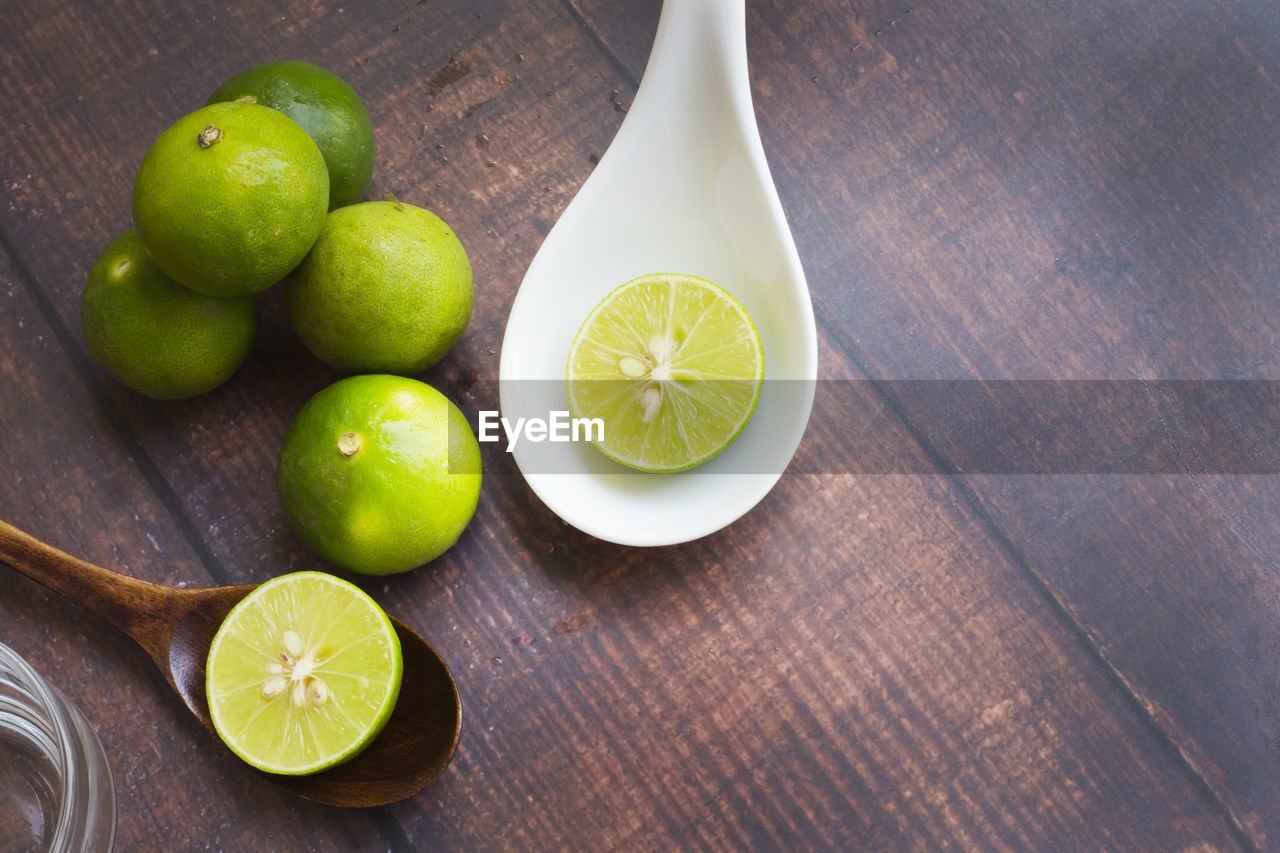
(303, 674)
(154, 335)
(387, 288)
(230, 211)
(672, 365)
(326, 107)
(379, 474)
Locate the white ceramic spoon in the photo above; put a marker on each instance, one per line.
(683, 188)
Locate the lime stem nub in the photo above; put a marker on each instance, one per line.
(208, 136)
(348, 444)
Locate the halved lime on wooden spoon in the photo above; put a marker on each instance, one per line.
(303, 674)
(672, 366)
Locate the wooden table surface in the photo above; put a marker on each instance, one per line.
(916, 659)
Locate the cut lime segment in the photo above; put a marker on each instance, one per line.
(672, 366)
(303, 674)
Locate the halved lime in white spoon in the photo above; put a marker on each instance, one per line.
(672, 367)
(303, 674)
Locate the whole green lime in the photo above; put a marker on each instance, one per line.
(387, 288)
(230, 198)
(156, 336)
(325, 107)
(379, 474)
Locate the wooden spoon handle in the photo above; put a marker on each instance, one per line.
(136, 607)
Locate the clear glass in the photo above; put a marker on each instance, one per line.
(56, 792)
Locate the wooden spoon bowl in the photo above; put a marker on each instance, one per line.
(176, 626)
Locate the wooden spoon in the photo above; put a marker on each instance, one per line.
(175, 627)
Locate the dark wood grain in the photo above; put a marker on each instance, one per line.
(1105, 213)
(885, 662)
